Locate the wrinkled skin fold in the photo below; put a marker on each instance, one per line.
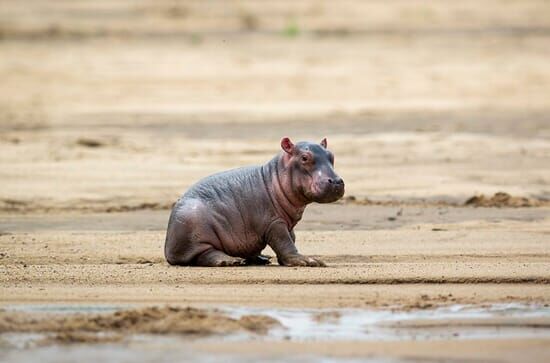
(228, 218)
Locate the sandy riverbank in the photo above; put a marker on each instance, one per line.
(108, 112)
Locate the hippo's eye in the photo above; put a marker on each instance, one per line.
(305, 158)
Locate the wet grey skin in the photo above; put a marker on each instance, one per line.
(228, 218)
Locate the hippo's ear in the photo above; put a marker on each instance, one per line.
(324, 143)
(287, 145)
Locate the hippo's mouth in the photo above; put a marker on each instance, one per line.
(328, 195)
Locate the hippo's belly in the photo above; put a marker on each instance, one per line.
(236, 235)
(241, 245)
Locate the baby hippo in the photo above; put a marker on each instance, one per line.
(228, 218)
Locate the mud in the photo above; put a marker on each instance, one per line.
(79, 338)
(501, 199)
(153, 320)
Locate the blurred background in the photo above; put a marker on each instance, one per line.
(120, 105)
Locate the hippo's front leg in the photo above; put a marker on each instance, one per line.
(279, 238)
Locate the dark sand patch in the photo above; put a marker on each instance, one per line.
(150, 320)
(80, 338)
(327, 317)
(502, 199)
(498, 200)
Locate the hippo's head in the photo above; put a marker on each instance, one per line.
(311, 170)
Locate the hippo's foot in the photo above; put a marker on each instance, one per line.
(300, 260)
(258, 260)
(215, 258)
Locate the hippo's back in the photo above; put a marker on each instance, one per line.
(227, 185)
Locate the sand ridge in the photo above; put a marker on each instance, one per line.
(150, 320)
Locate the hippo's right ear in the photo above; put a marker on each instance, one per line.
(287, 145)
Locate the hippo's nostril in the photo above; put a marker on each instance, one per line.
(330, 181)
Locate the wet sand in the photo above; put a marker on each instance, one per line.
(104, 122)
(271, 334)
(447, 350)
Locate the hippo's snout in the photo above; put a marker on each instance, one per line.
(336, 182)
(331, 189)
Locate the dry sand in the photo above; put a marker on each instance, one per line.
(416, 263)
(104, 123)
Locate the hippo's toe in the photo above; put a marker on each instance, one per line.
(300, 260)
(232, 261)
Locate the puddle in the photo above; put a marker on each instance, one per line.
(457, 321)
(298, 325)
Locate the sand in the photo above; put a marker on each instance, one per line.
(438, 116)
(166, 320)
(417, 264)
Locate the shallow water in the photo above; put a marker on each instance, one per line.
(298, 325)
(363, 324)
(354, 324)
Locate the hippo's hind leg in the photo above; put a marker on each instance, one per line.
(183, 237)
(192, 240)
(216, 258)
